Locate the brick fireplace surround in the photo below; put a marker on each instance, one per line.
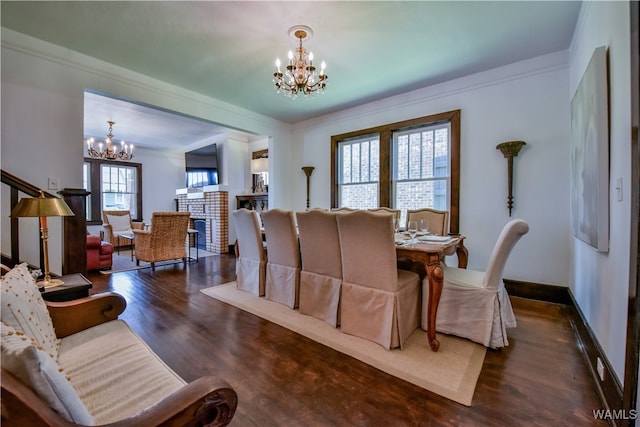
(213, 208)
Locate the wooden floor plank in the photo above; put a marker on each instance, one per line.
(285, 379)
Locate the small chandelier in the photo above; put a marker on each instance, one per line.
(300, 75)
(108, 151)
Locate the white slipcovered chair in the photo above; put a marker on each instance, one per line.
(252, 258)
(475, 304)
(378, 302)
(282, 280)
(321, 274)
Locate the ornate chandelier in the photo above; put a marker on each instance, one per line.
(300, 75)
(108, 151)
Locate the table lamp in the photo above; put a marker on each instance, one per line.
(43, 207)
(258, 167)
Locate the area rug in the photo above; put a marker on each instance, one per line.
(451, 372)
(123, 262)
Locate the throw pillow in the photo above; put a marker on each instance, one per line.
(23, 308)
(120, 223)
(40, 372)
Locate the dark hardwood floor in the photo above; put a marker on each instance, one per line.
(284, 379)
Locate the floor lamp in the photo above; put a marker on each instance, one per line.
(42, 207)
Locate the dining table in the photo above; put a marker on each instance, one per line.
(431, 250)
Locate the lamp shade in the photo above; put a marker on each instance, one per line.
(260, 165)
(41, 206)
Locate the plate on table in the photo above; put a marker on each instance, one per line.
(433, 238)
(401, 238)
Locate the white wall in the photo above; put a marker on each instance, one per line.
(42, 122)
(600, 280)
(524, 101)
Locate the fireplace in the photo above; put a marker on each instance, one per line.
(200, 225)
(209, 208)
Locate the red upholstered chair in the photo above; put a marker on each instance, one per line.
(99, 253)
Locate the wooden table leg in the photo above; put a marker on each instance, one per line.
(435, 276)
(463, 255)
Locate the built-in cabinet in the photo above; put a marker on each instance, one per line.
(257, 201)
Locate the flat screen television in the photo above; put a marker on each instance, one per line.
(201, 166)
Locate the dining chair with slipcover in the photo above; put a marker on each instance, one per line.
(321, 274)
(165, 240)
(396, 212)
(116, 222)
(475, 304)
(252, 259)
(379, 302)
(438, 221)
(282, 278)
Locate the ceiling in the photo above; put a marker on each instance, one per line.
(227, 49)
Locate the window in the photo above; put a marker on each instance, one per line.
(405, 165)
(113, 186)
(359, 176)
(420, 164)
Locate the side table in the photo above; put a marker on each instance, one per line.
(75, 286)
(193, 232)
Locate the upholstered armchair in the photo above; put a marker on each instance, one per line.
(438, 221)
(165, 241)
(115, 222)
(99, 253)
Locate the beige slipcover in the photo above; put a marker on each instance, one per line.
(252, 259)
(378, 302)
(475, 304)
(438, 220)
(282, 282)
(321, 274)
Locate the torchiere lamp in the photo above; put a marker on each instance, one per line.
(42, 207)
(509, 150)
(307, 171)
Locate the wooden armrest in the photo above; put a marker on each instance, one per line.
(22, 407)
(206, 401)
(74, 316)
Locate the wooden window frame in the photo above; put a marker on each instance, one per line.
(95, 190)
(385, 133)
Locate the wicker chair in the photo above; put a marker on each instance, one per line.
(109, 234)
(166, 240)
